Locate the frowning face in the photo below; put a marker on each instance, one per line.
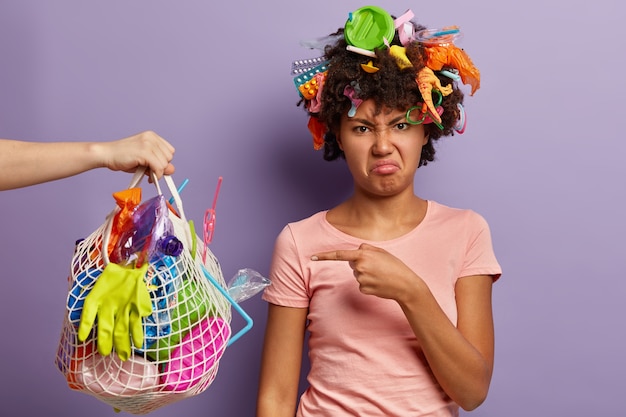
(382, 149)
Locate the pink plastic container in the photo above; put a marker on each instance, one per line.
(197, 355)
(110, 376)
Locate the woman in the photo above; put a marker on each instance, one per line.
(394, 290)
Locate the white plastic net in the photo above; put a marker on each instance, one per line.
(183, 338)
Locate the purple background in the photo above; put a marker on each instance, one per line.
(542, 160)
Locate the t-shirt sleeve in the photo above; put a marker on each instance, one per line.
(287, 286)
(480, 258)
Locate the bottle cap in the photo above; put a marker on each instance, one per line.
(170, 245)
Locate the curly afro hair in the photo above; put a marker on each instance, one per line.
(390, 87)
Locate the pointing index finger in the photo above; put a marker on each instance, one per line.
(335, 255)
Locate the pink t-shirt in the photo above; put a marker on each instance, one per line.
(365, 359)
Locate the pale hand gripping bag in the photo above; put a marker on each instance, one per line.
(183, 319)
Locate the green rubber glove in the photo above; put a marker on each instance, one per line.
(120, 299)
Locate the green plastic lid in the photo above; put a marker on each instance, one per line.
(367, 27)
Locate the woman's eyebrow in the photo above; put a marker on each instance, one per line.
(369, 123)
(360, 121)
(397, 120)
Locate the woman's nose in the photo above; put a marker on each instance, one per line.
(383, 144)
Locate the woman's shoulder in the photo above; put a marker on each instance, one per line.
(449, 213)
(306, 225)
(308, 234)
(313, 219)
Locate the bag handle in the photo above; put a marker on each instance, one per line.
(134, 182)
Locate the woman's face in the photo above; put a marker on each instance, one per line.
(382, 150)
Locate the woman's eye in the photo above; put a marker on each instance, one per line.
(361, 129)
(402, 126)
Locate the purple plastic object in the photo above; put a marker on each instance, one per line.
(143, 239)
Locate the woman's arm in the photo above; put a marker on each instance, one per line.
(28, 163)
(460, 357)
(281, 361)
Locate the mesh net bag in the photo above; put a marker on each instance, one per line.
(184, 330)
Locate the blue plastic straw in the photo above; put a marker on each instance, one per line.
(225, 293)
(180, 189)
(443, 33)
